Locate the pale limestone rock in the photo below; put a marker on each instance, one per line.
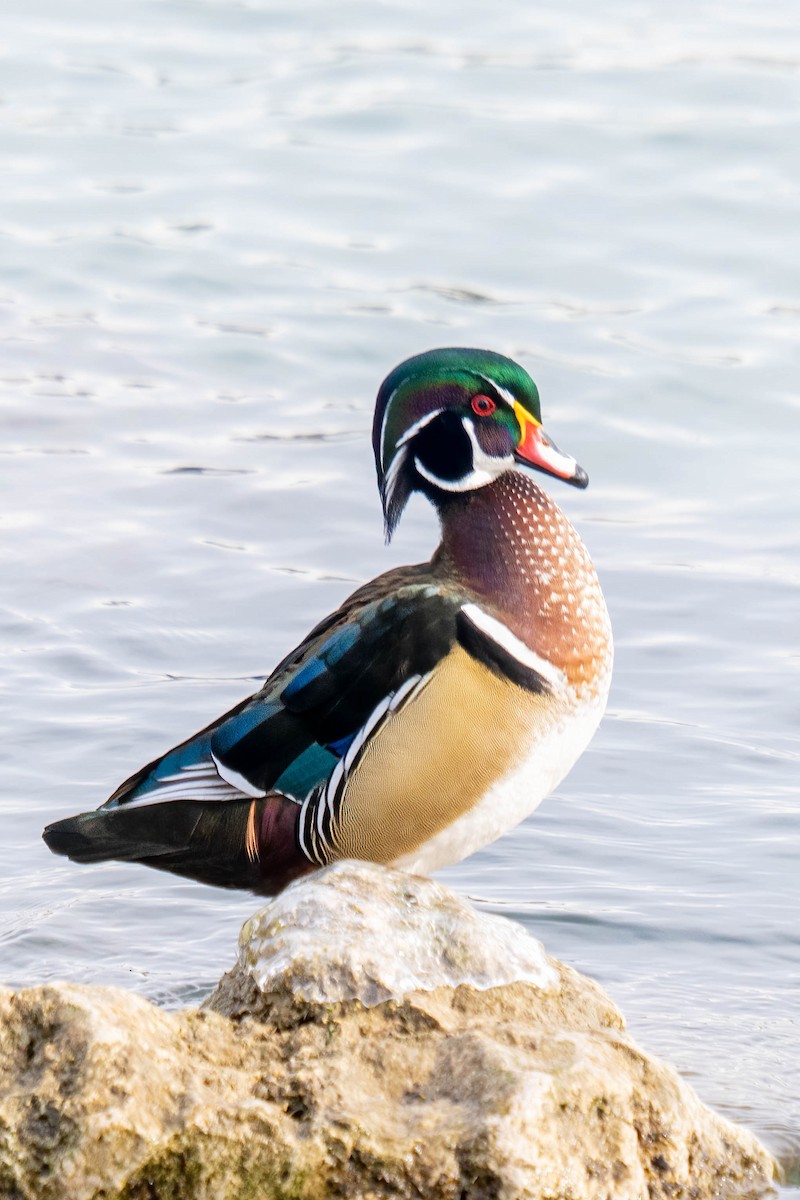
(357, 932)
(518, 1092)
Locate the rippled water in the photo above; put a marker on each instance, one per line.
(221, 224)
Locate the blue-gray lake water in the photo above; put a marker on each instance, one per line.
(221, 223)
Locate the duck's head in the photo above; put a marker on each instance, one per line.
(451, 421)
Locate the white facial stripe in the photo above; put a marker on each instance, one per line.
(420, 424)
(482, 460)
(384, 423)
(398, 461)
(468, 483)
(236, 780)
(503, 636)
(504, 393)
(410, 432)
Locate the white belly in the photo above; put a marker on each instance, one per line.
(514, 797)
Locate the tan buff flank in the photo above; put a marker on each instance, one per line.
(435, 758)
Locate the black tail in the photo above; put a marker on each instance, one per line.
(248, 844)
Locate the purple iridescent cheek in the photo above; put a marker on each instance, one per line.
(494, 438)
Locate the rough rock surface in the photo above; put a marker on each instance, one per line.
(359, 932)
(517, 1092)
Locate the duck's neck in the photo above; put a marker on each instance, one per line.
(512, 546)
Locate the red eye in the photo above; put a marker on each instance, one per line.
(482, 406)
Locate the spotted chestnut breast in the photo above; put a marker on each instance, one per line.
(437, 707)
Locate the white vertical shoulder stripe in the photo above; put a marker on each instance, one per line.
(503, 636)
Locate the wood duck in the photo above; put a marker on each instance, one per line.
(437, 707)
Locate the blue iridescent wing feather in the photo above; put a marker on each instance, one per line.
(290, 735)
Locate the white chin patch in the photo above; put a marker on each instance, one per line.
(485, 468)
(467, 483)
